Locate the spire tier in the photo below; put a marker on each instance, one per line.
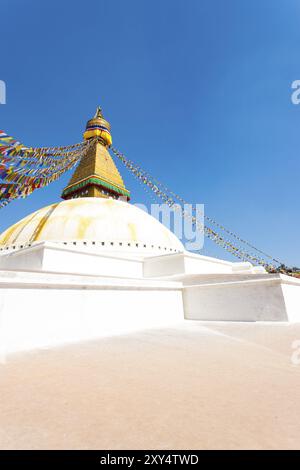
(97, 174)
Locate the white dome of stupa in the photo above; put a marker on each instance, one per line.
(104, 223)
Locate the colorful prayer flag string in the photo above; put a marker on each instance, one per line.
(169, 197)
(25, 169)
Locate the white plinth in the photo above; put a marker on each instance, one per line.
(53, 294)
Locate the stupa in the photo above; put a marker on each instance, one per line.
(94, 264)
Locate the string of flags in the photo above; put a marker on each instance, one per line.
(169, 197)
(25, 169)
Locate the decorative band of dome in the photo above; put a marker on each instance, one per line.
(99, 182)
(96, 126)
(99, 131)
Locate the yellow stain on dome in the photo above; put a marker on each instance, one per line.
(78, 202)
(9, 233)
(42, 223)
(22, 227)
(132, 230)
(109, 202)
(83, 225)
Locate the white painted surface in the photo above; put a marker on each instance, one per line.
(54, 311)
(237, 301)
(178, 264)
(51, 257)
(291, 294)
(53, 294)
(251, 298)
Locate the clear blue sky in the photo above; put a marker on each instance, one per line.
(197, 92)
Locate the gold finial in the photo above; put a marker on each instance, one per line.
(98, 127)
(98, 113)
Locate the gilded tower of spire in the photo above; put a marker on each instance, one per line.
(97, 174)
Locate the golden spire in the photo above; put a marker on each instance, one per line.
(98, 127)
(97, 174)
